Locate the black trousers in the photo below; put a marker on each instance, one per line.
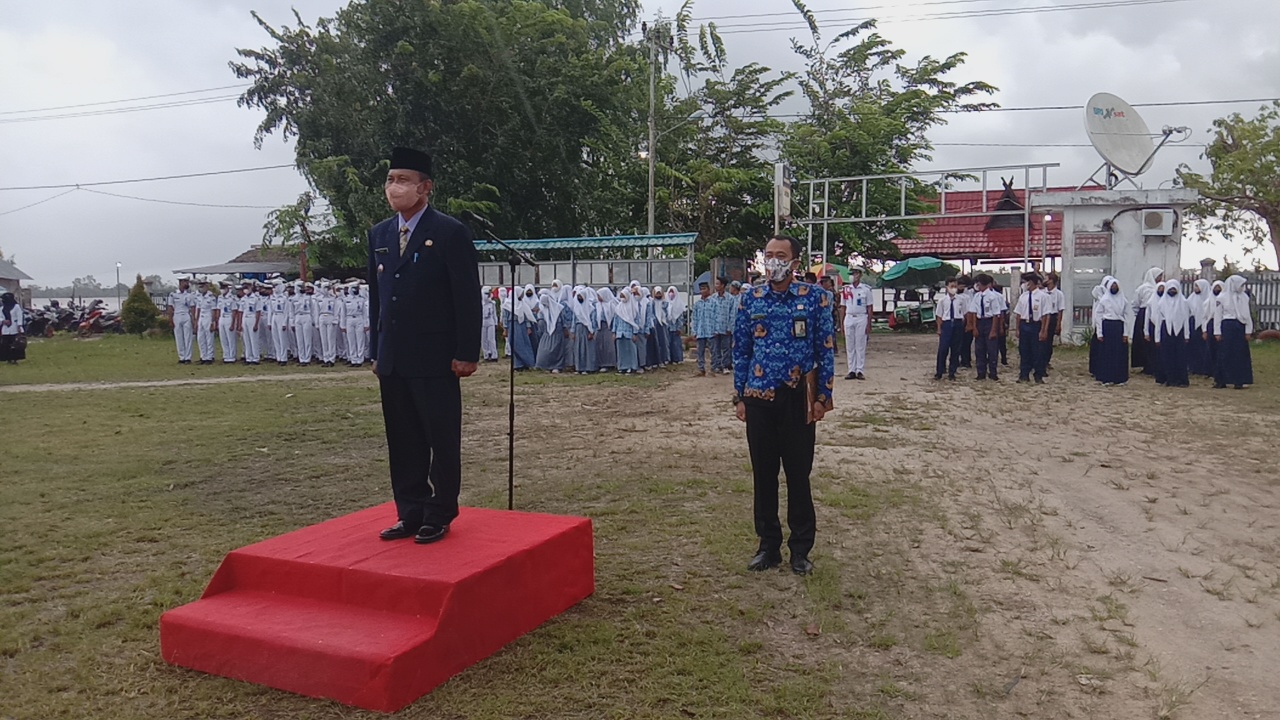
(1032, 350)
(424, 443)
(949, 337)
(779, 437)
(987, 348)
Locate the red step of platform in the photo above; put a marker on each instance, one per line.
(332, 611)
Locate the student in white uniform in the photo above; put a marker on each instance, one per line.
(12, 323)
(949, 313)
(489, 325)
(1233, 329)
(1033, 329)
(179, 311)
(304, 321)
(206, 322)
(354, 310)
(224, 313)
(1056, 307)
(279, 312)
(856, 298)
(329, 317)
(986, 311)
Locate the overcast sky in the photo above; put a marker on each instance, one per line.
(68, 52)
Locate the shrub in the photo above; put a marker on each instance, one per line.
(139, 313)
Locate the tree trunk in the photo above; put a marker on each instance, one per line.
(1273, 227)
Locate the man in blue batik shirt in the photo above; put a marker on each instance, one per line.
(784, 330)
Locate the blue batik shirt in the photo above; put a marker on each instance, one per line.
(780, 336)
(705, 318)
(725, 305)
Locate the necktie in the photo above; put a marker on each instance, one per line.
(404, 238)
(953, 310)
(982, 307)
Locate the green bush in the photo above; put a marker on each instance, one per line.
(139, 313)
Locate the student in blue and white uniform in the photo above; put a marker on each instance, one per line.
(1233, 325)
(554, 323)
(949, 313)
(986, 318)
(625, 326)
(1142, 352)
(1197, 348)
(606, 348)
(1033, 329)
(1174, 336)
(676, 309)
(524, 323)
(1112, 329)
(585, 323)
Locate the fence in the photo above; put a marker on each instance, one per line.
(1264, 287)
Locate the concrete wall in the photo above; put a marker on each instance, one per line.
(1113, 213)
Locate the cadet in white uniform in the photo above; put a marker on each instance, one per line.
(354, 309)
(206, 322)
(857, 301)
(224, 314)
(303, 323)
(329, 316)
(279, 311)
(179, 309)
(250, 327)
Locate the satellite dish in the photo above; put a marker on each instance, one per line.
(1118, 133)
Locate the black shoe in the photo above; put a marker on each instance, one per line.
(399, 531)
(980, 377)
(995, 379)
(1237, 387)
(431, 533)
(861, 376)
(938, 376)
(1024, 380)
(1039, 381)
(952, 378)
(800, 565)
(765, 560)
(851, 376)
(1004, 363)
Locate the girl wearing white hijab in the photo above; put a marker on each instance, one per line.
(523, 328)
(640, 295)
(1233, 325)
(1112, 331)
(676, 308)
(624, 326)
(660, 338)
(1198, 349)
(504, 318)
(488, 325)
(1210, 312)
(585, 324)
(553, 333)
(1175, 335)
(606, 349)
(1098, 291)
(1143, 298)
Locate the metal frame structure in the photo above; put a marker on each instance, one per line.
(817, 192)
(576, 246)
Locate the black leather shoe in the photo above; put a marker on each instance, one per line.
(800, 565)
(399, 531)
(765, 560)
(431, 533)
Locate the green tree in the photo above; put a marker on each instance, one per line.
(1241, 195)
(514, 98)
(869, 114)
(139, 313)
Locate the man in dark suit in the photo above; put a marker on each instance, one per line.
(424, 334)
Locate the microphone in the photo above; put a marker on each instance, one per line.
(480, 220)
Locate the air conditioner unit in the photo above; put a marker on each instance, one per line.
(1158, 222)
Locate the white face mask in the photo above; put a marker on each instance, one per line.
(951, 291)
(777, 269)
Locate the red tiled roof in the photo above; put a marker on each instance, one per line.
(952, 238)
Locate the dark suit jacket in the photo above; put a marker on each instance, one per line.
(424, 305)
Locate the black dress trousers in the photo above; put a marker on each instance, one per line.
(423, 416)
(779, 438)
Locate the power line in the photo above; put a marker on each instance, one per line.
(1196, 146)
(147, 179)
(120, 111)
(792, 13)
(177, 202)
(737, 29)
(38, 202)
(126, 100)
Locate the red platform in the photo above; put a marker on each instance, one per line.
(332, 611)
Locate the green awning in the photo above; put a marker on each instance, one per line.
(590, 243)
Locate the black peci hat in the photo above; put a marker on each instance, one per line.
(409, 159)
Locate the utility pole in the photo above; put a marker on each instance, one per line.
(653, 125)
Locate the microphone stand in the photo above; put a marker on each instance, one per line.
(514, 259)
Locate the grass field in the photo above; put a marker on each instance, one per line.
(934, 596)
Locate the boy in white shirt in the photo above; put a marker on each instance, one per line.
(1033, 329)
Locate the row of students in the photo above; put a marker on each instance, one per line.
(589, 330)
(1175, 334)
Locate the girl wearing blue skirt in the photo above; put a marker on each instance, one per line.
(1175, 336)
(1112, 331)
(1197, 348)
(1233, 324)
(624, 328)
